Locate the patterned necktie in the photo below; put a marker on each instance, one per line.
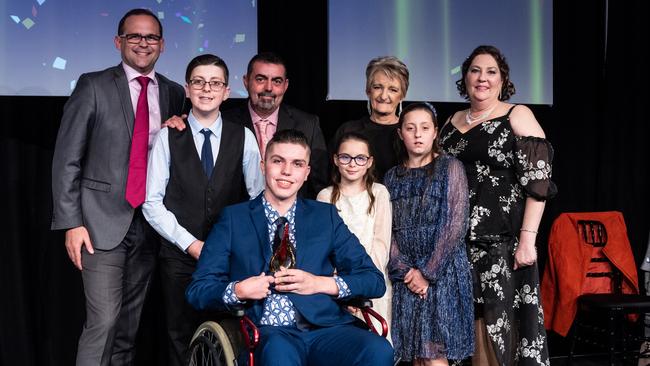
(262, 140)
(206, 153)
(137, 179)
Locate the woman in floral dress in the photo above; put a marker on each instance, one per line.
(508, 164)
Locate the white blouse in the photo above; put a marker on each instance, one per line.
(373, 231)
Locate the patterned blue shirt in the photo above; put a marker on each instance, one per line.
(278, 309)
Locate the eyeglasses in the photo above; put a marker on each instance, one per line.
(199, 84)
(135, 38)
(346, 159)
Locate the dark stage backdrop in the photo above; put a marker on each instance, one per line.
(598, 126)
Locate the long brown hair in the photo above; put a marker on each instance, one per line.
(369, 178)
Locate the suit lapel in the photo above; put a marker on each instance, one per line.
(163, 98)
(302, 223)
(285, 120)
(122, 86)
(246, 117)
(261, 228)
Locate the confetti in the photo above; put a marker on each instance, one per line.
(205, 43)
(59, 63)
(40, 2)
(104, 14)
(199, 26)
(455, 70)
(15, 19)
(159, 1)
(73, 83)
(186, 19)
(239, 38)
(200, 49)
(28, 23)
(161, 15)
(34, 12)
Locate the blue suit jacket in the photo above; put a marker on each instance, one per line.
(238, 247)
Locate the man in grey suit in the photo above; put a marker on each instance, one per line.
(266, 82)
(97, 184)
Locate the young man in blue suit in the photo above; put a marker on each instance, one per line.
(295, 308)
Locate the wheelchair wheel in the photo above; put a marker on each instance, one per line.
(211, 346)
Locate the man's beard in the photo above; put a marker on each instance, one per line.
(264, 105)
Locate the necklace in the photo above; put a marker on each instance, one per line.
(469, 119)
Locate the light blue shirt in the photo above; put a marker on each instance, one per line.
(163, 220)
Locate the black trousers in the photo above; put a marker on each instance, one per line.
(176, 268)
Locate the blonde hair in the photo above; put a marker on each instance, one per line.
(392, 67)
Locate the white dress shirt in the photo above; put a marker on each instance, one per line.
(163, 220)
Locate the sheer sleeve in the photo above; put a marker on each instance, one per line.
(398, 264)
(533, 166)
(453, 223)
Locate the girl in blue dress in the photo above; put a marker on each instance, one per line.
(433, 314)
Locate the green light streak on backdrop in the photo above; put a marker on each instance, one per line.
(401, 22)
(536, 84)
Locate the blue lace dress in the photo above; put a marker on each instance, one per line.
(502, 171)
(430, 211)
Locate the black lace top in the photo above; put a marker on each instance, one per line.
(502, 170)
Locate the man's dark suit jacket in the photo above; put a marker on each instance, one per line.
(293, 118)
(91, 158)
(238, 247)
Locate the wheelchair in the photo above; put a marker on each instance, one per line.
(219, 343)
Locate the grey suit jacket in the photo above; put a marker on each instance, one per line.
(293, 118)
(91, 157)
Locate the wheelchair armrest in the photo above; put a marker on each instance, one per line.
(365, 306)
(237, 310)
(357, 302)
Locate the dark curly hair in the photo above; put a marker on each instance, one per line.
(507, 88)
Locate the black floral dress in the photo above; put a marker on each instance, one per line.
(502, 171)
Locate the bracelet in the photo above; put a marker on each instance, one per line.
(529, 231)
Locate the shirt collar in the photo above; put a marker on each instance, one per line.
(273, 118)
(196, 127)
(272, 215)
(132, 73)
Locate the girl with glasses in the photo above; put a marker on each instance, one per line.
(363, 204)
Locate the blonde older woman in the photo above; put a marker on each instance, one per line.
(508, 164)
(387, 81)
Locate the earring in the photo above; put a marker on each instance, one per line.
(399, 109)
(368, 107)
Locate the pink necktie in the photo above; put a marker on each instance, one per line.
(262, 140)
(137, 179)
